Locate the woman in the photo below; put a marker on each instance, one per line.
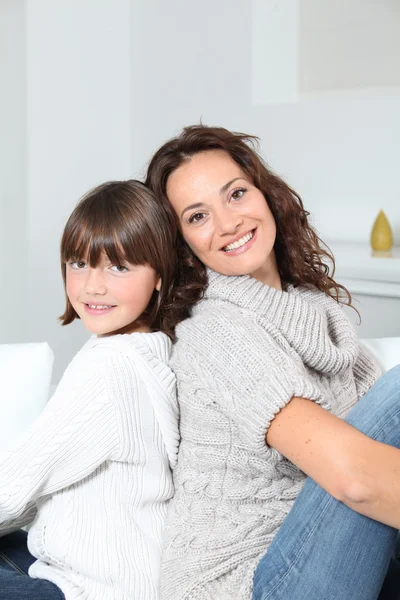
(268, 369)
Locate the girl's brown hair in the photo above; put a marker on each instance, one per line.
(123, 220)
(302, 258)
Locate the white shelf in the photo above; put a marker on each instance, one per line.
(365, 274)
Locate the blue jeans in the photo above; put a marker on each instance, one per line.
(326, 551)
(15, 584)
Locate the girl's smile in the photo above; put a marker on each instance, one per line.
(98, 309)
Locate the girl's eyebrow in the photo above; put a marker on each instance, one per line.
(221, 191)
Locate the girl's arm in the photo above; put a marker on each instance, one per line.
(76, 433)
(358, 471)
(27, 517)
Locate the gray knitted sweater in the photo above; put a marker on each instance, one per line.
(245, 352)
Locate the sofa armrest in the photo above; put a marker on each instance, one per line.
(385, 350)
(25, 376)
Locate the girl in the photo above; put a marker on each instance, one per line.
(268, 367)
(93, 472)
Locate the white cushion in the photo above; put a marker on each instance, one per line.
(385, 350)
(25, 376)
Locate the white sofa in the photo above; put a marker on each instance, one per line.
(385, 350)
(25, 378)
(25, 381)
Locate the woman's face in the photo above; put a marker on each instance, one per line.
(224, 218)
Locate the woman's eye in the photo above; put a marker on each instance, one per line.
(196, 217)
(77, 264)
(237, 194)
(119, 268)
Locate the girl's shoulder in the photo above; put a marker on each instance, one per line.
(148, 344)
(111, 357)
(138, 373)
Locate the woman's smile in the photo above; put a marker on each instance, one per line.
(241, 243)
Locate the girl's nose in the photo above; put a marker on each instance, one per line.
(95, 283)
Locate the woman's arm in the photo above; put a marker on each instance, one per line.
(358, 471)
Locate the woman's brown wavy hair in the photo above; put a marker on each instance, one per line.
(124, 220)
(302, 257)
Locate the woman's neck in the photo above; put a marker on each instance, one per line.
(268, 273)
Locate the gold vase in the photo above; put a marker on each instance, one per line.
(381, 236)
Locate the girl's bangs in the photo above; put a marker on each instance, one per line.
(87, 241)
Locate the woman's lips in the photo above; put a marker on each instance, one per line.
(243, 248)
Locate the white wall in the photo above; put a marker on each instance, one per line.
(349, 44)
(339, 150)
(190, 61)
(78, 136)
(65, 121)
(14, 298)
(92, 88)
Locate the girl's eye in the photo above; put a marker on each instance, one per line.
(237, 194)
(196, 217)
(119, 268)
(77, 264)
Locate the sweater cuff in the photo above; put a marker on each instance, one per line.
(269, 397)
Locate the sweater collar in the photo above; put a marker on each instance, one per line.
(313, 324)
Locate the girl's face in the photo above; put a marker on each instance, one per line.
(110, 297)
(224, 218)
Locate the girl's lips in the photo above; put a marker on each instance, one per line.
(97, 311)
(243, 248)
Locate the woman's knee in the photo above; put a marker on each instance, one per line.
(377, 414)
(393, 374)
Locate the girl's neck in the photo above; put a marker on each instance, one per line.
(127, 331)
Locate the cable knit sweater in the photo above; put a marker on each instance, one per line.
(95, 470)
(245, 352)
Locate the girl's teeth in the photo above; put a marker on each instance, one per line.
(98, 306)
(239, 243)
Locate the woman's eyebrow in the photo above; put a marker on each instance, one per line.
(221, 191)
(191, 207)
(227, 185)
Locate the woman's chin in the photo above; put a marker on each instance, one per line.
(237, 270)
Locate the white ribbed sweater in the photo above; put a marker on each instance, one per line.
(245, 352)
(95, 469)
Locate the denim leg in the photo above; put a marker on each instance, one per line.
(15, 584)
(391, 586)
(14, 553)
(323, 548)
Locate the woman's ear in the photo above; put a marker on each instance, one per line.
(158, 284)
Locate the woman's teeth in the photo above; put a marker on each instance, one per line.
(239, 243)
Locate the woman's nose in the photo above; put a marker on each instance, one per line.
(228, 221)
(95, 283)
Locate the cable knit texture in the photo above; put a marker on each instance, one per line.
(95, 468)
(245, 352)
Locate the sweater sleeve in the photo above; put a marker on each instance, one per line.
(75, 433)
(366, 371)
(243, 370)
